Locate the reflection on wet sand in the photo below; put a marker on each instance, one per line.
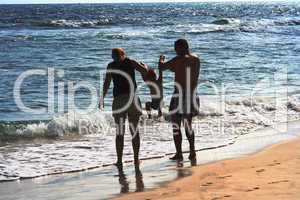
(125, 184)
(182, 171)
(194, 162)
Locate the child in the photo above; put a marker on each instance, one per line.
(155, 91)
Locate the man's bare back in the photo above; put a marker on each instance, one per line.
(186, 69)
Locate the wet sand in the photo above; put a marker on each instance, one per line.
(273, 173)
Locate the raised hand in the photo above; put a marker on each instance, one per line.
(162, 59)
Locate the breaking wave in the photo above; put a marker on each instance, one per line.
(225, 21)
(69, 123)
(60, 126)
(73, 23)
(237, 25)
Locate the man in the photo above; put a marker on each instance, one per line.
(125, 103)
(183, 104)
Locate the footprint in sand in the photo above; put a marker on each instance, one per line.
(223, 177)
(275, 163)
(251, 190)
(216, 198)
(275, 182)
(207, 184)
(260, 170)
(227, 196)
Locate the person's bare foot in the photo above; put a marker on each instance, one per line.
(177, 157)
(192, 156)
(119, 164)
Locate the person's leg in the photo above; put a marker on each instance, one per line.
(177, 136)
(133, 127)
(187, 121)
(120, 122)
(159, 112)
(134, 114)
(160, 106)
(148, 109)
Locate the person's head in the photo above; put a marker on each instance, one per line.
(181, 47)
(118, 54)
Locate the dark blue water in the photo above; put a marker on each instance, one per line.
(239, 44)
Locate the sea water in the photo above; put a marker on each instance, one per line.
(250, 49)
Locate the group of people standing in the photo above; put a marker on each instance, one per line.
(126, 104)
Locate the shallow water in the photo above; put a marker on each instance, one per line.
(67, 153)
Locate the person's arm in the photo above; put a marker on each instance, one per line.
(140, 67)
(198, 66)
(161, 91)
(162, 65)
(106, 85)
(196, 73)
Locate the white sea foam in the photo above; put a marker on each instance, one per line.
(237, 25)
(69, 123)
(59, 126)
(73, 23)
(213, 128)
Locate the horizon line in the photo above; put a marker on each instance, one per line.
(168, 1)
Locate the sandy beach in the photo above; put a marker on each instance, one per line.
(273, 173)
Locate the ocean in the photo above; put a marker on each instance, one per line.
(250, 49)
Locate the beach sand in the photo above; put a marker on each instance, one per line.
(273, 173)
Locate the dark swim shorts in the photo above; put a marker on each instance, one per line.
(184, 106)
(121, 110)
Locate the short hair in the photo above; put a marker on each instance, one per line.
(183, 43)
(118, 51)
